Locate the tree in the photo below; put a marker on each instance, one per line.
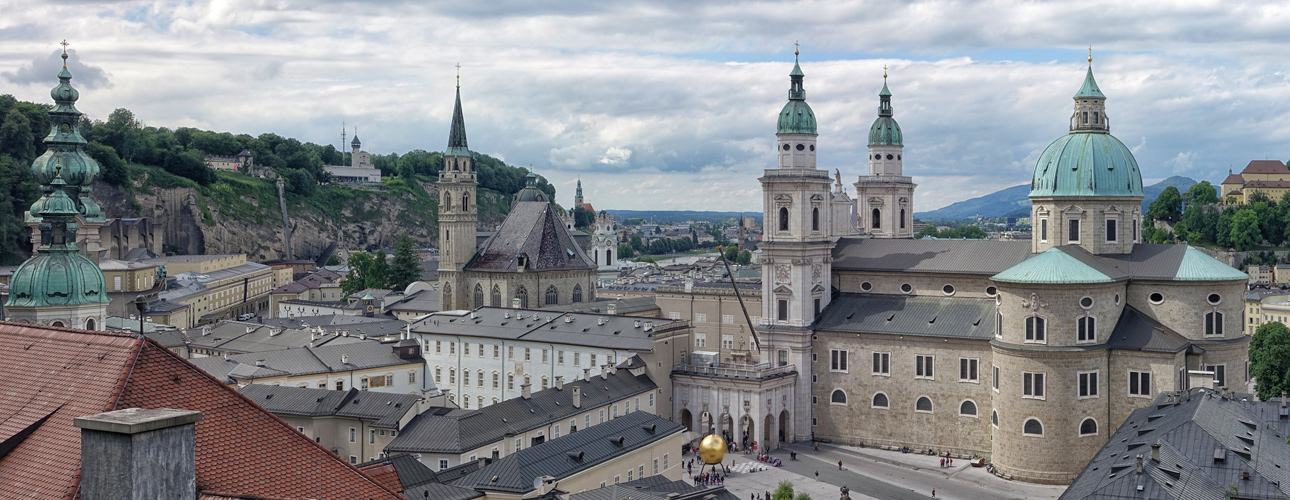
(378, 276)
(1270, 360)
(17, 192)
(744, 258)
(1167, 207)
(1202, 193)
(299, 181)
(406, 267)
(112, 168)
(333, 260)
(1258, 197)
(783, 492)
(583, 217)
(16, 137)
(930, 230)
(625, 251)
(731, 253)
(365, 271)
(1245, 230)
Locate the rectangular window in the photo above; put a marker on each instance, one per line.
(497, 352)
(353, 459)
(968, 370)
(655, 466)
(510, 352)
(640, 470)
(1112, 230)
(481, 350)
(1220, 374)
(728, 319)
(727, 341)
(651, 400)
(371, 437)
(700, 318)
(438, 347)
(1140, 383)
(665, 461)
(438, 376)
(994, 371)
(353, 435)
(674, 315)
(546, 356)
(1032, 385)
(593, 359)
(783, 358)
(528, 354)
(783, 310)
(443, 463)
(1086, 329)
(452, 348)
(1043, 229)
(465, 348)
(1035, 329)
(881, 363)
(510, 382)
(496, 377)
(1072, 231)
(412, 377)
(577, 358)
(923, 366)
(602, 416)
(700, 340)
(1088, 385)
(837, 360)
(559, 357)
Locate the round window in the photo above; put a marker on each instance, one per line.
(989, 290)
(1214, 299)
(786, 147)
(812, 147)
(1117, 299)
(906, 288)
(948, 289)
(889, 156)
(800, 147)
(877, 157)
(1156, 297)
(1086, 302)
(866, 286)
(897, 157)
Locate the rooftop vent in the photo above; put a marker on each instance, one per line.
(259, 362)
(618, 441)
(506, 315)
(600, 321)
(568, 318)
(576, 455)
(344, 359)
(636, 324)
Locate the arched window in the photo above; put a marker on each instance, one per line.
(924, 403)
(479, 295)
(783, 218)
(1035, 330)
(447, 296)
(58, 324)
(528, 380)
(496, 299)
(1214, 323)
(1088, 427)
(838, 397)
(967, 408)
(552, 296)
(577, 293)
(880, 400)
(1033, 427)
(545, 382)
(877, 219)
(902, 218)
(815, 219)
(89, 324)
(465, 201)
(994, 418)
(523, 295)
(609, 257)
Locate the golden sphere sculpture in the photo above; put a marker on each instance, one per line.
(712, 450)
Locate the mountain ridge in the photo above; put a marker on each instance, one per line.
(1014, 201)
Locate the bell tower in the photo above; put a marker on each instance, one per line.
(458, 213)
(885, 197)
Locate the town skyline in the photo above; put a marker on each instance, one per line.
(664, 113)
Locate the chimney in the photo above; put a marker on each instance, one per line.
(344, 359)
(259, 363)
(577, 397)
(559, 382)
(273, 332)
(636, 324)
(515, 303)
(206, 330)
(600, 321)
(1138, 467)
(586, 373)
(526, 391)
(611, 309)
(604, 372)
(1155, 452)
(136, 453)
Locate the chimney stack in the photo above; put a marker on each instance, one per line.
(525, 391)
(135, 453)
(586, 373)
(1138, 467)
(1155, 452)
(559, 382)
(577, 397)
(604, 372)
(611, 309)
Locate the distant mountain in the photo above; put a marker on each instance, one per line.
(668, 216)
(1015, 201)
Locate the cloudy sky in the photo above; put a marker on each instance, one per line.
(672, 104)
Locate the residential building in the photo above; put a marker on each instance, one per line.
(380, 367)
(447, 437)
(222, 293)
(1269, 177)
(321, 285)
(241, 162)
(414, 305)
(720, 328)
(1254, 300)
(353, 424)
(1259, 274)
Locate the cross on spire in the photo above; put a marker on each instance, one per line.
(1090, 56)
(796, 47)
(64, 44)
(458, 75)
(884, 72)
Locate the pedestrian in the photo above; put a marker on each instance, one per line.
(933, 492)
(839, 465)
(942, 463)
(817, 474)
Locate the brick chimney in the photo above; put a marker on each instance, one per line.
(136, 454)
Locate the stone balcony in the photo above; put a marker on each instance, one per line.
(763, 371)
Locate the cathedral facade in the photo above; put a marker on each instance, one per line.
(1028, 353)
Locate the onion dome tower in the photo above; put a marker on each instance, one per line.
(58, 286)
(885, 197)
(1087, 189)
(65, 148)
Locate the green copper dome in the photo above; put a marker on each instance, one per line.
(530, 192)
(1089, 89)
(796, 117)
(1051, 267)
(58, 275)
(885, 131)
(1088, 161)
(65, 151)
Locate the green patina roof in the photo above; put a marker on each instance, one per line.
(1052, 266)
(1199, 266)
(368, 296)
(885, 131)
(457, 133)
(65, 151)
(797, 70)
(796, 117)
(1089, 89)
(884, 91)
(1086, 164)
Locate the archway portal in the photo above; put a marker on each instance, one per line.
(766, 432)
(748, 431)
(687, 420)
(784, 434)
(727, 427)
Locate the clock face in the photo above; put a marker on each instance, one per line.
(782, 274)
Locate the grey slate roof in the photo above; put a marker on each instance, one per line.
(420, 300)
(458, 431)
(233, 337)
(626, 305)
(655, 488)
(531, 229)
(597, 330)
(949, 317)
(1150, 261)
(1137, 331)
(1191, 433)
(988, 257)
(418, 481)
(303, 361)
(515, 472)
(384, 409)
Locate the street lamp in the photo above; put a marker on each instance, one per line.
(140, 303)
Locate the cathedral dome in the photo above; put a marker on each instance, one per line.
(530, 192)
(57, 279)
(1086, 164)
(885, 131)
(796, 117)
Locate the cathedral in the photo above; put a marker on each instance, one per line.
(956, 334)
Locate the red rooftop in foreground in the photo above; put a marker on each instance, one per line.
(242, 451)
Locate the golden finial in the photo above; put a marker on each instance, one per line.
(884, 72)
(1090, 55)
(64, 44)
(458, 75)
(796, 46)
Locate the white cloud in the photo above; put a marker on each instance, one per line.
(672, 104)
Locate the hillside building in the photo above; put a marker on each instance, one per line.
(360, 169)
(1269, 177)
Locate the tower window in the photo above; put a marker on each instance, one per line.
(815, 219)
(891, 156)
(812, 147)
(877, 219)
(1112, 230)
(783, 218)
(1072, 231)
(786, 147)
(465, 201)
(800, 147)
(1086, 117)
(1095, 117)
(496, 299)
(902, 218)
(479, 295)
(783, 310)
(1043, 229)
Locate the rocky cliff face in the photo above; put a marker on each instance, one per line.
(193, 223)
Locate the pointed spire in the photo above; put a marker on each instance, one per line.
(1089, 89)
(884, 96)
(457, 134)
(795, 90)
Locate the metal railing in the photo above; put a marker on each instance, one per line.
(729, 370)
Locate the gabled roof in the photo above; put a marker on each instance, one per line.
(1233, 179)
(532, 230)
(418, 481)
(458, 431)
(384, 409)
(1179, 262)
(985, 257)
(1265, 167)
(596, 330)
(1138, 332)
(305, 361)
(572, 453)
(242, 450)
(952, 317)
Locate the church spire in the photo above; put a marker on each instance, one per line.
(795, 90)
(65, 148)
(1090, 105)
(796, 117)
(457, 134)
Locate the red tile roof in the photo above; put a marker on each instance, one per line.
(243, 451)
(386, 474)
(1233, 179)
(1265, 167)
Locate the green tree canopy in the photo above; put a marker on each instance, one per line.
(1167, 207)
(744, 258)
(16, 137)
(406, 267)
(625, 251)
(1245, 233)
(1202, 193)
(583, 217)
(1270, 360)
(112, 167)
(365, 271)
(17, 193)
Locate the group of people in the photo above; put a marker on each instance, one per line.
(709, 478)
(762, 457)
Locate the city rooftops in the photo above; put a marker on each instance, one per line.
(299, 361)
(384, 409)
(592, 330)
